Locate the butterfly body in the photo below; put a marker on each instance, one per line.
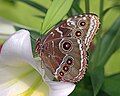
(63, 49)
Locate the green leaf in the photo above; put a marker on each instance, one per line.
(13, 2)
(35, 5)
(75, 9)
(56, 12)
(78, 9)
(21, 14)
(110, 42)
(106, 10)
(87, 6)
(97, 77)
(102, 93)
(101, 10)
(39, 16)
(105, 47)
(72, 12)
(82, 92)
(113, 64)
(112, 85)
(83, 88)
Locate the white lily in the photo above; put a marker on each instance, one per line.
(21, 75)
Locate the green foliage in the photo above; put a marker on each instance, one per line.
(106, 46)
(56, 12)
(112, 85)
(75, 9)
(33, 16)
(87, 7)
(113, 65)
(35, 5)
(106, 10)
(20, 15)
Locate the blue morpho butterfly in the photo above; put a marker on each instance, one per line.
(63, 48)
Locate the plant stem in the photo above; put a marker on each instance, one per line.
(101, 18)
(101, 11)
(87, 6)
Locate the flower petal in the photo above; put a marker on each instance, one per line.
(11, 60)
(8, 73)
(18, 49)
(60, 88)
(27, 83)
(15, 53)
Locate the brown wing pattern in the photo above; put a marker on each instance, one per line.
(72, 67)
(51, 50)
(63, 49)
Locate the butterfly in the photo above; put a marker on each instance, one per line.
(64, 48)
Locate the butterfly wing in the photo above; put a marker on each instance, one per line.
(64, 55)
(84, 26)
(93, 27)
(63, 49)
(73, 65)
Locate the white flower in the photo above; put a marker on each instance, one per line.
(20, 75)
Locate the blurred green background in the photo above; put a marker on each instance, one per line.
(103, 75)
